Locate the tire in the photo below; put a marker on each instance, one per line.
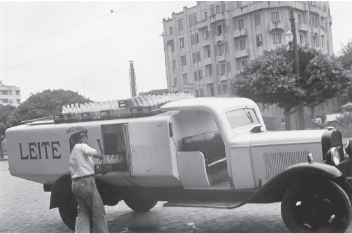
(139, 200)
(316, 206)
(68, 210)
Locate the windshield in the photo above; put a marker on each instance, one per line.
(242, 117)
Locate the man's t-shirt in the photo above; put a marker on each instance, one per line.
(81, 160)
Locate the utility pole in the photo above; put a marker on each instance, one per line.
(132, 81)
(296, 70)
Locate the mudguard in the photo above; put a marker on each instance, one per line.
(62, 189)
(274, 189)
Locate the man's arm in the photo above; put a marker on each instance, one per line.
(97, 154)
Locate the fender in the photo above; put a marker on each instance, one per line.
(274, 189)
(62, 189)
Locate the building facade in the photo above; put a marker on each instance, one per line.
(206, 45)
(10, 95)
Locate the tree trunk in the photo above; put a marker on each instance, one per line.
(300, 111)
(287, 114)
(312, 113)
(1, 152)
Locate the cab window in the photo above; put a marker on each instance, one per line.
(242, 117)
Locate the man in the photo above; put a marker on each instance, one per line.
(84, 187)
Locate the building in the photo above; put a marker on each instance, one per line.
(10, 95)
(206, 45)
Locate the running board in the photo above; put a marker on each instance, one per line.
(204, 204)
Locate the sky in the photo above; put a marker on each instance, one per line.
(82, 46)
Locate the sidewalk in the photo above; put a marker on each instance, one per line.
(4, 159)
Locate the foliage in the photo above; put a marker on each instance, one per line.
(47, 103)
(270, 79)
(346, 56)
(7, 118)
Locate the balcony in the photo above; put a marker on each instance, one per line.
(223, 77)
(201, 24)
(277, 24)
(207, 61)
(206, 42)
(240, 32)
(241, 53)
(219, 38)
(216, 17)
(221, 57)
(302, 27)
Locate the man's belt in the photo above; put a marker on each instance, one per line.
(81, 177)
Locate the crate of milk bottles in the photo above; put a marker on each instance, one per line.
(137, 106)
(113, 162)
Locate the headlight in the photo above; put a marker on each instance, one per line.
(335, 156)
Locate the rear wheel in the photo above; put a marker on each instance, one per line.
(140, 200)
(312, 206)
(68, 210)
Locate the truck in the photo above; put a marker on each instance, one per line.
(198, 152)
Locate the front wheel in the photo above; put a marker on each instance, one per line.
(312, 206)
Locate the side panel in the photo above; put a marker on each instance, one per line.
(242, 168)
(152, 159)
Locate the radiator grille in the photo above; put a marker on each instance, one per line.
(276, 162)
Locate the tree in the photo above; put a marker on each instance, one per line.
(47, 103)
(346, 55)
(7, 120)
(269, 78)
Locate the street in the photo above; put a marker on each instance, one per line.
(24, 208)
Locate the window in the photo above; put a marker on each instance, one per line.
(322, 41)
(227, 47)
(224, 89)
(211, 90)
(10, 101)
(171, 30)
(10, 92)
(219, 30)
(313, 21)
(277, 38)
(17, 92)
(243, 44)
(196, 38)
(18, 101)
(217, 69)
(192, 39)
(223, 69)
(228, 67)
(207, 52)
(324, 8)
(214, 31)
(185, 80)
(206, 35)
(316, 40)
(259, 40)
(191, 20)
(194, 57)
(225, 28)
(221, 49)
(182, 42)
(195, 75)
(205, 15)
(240, 24)
(244, 63)
(5, 92)
(222, 6)
(200, 74)
(217, 9)
(257, 20)
(5, 100)
(275, 16)
(175, 82)
(194, 19)
(219, 90)
(210, 71)
(212, 10)
(238, 4)
(174, 64)
(180, 25)
(171, 44)
(301, 39)
(201, 93)
(242, 117)
(183, 60)
(198, 56)
(299, 19)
